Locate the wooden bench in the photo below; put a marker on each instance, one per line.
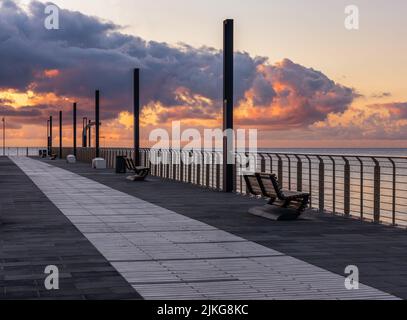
(282, 204)
(140, 173)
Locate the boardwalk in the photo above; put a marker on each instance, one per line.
(184, 242)
(34, 234)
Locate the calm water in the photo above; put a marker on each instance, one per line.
(345, 151)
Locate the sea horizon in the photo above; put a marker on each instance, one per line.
(347, 151)
(382, 152)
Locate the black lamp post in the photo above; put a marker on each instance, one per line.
(4, 135)
(60, 134)
(228, 154)
(136, 103)
(50, 135)
(74, 129)
(97, 120)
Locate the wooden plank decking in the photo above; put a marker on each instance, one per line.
(182, 241)
(35, 234)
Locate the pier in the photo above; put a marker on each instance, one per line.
(165, 239)
(186, 232)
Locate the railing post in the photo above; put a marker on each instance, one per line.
(156, 166)
(50, 135)
(376, 192)
(280, 170)
(394, 192)
(151, 161)
(289, 171)
(208, 170)
(167, 163)
(271, 163)
(262, 164)
(240, 168)
(218, 166)
(161, 165)
(299, 173)
(181, 167)
(346, 182)
(361, 188)
(198, 168)
(333, 184)
(321, 184)
(190, 154)
(174, 165)
(48, 149)
(309, 179)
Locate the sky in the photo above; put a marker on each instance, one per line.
(302, 78)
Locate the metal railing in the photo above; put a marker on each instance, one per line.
(366, 187)
(21, 151)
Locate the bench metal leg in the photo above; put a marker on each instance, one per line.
(286, 203)
(304, 203)
(271, 201)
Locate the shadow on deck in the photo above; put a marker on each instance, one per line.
(330, 242)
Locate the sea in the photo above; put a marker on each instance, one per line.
(395, 152)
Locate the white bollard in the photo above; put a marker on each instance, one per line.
(71, 159)
(99, 163)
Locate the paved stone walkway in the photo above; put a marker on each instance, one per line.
(165, 255)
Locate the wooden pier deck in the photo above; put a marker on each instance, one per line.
(35, 234)
(172, 240)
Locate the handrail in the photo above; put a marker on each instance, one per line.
(366, 187)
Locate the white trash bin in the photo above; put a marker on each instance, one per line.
(99, 163)
(71, 159)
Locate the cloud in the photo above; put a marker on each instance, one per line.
(375, 121)
(296, 97)
(381, 95)
(177, 82)
(5, 101)
(88, 53)
(7, 111)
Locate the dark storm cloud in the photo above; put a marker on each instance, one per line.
(7, 111)
(263, 91)
(93, 54)
(312, 86)
(293, 96)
